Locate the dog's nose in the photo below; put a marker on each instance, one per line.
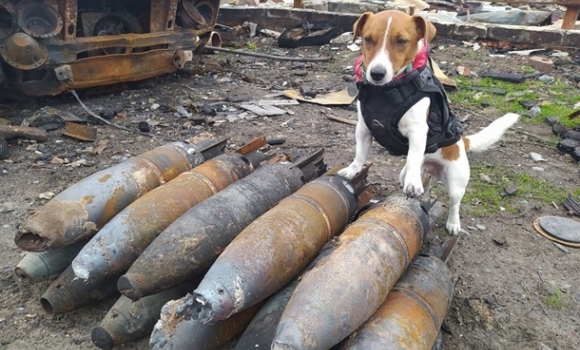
(378, 73)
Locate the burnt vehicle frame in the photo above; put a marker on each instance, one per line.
(50, 46)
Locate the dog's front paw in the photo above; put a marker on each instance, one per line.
(414, 188)
(453, 228)
(350, 171)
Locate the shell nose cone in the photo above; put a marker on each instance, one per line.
(22, 51)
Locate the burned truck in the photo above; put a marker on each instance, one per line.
(50, 46)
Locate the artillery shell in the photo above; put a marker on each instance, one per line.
(260, 332)
(353, 277)
(69, 293)
(282, 241)
(176, 334)
(120, 242)
(36, 267)
(412, 315)
(129, 321)
(193, 241)
(78, 212)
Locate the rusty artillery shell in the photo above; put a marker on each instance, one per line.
(260, 332)
(69, 293)
(120, 242)
(172, 332)
(78, 212)
(282, 242)
(412, 315)
(36, 267)
(351, 278)
(129, 321)
(193, 241)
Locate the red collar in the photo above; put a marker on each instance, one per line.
(420, 61)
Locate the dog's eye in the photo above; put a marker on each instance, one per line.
(401, 41)
(369, 41)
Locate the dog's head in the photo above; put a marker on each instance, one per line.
(391, 40)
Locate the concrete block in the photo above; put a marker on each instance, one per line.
(541, 64)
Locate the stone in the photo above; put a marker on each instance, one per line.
(541, 64)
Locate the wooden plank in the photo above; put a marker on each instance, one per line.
(298, 4)
(570, 17)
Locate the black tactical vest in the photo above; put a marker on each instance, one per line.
(383, 107)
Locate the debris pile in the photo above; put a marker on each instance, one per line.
(202, 243)
(47, 47)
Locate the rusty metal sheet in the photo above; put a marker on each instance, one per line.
(127, 42)
(80, 132)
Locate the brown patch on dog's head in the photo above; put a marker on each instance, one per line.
(393, 37)
(467, 143)
(450, 152)
(425, 28)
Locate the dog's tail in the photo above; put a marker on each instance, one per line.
(491, 134)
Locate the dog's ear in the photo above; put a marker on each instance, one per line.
(359, 24)
(425, 29)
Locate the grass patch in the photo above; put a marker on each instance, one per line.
(555, 99)
(556, 300)
(486, 198)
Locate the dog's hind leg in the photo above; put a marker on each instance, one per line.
(455, 177)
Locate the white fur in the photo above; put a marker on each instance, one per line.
(382, 59)
(454, 174)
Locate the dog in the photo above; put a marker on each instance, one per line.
(404, 107)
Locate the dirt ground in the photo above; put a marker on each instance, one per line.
(514, 289)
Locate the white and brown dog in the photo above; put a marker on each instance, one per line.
(404, 107)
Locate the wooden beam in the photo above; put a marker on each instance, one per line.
(570, 17)
(298, 4)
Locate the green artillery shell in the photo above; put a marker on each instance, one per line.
(260, 332)
(69, 293)
(193, 241)
(36, 267)
(177, 334)
(120, 242)
(282, 242)
(129, 321)
(78, 212)
(412, 315)
(350, 281)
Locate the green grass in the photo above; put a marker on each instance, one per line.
(252, 47)
(556, 98)
(485, 198)
(556, 300)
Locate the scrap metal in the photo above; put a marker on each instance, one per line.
(130, 321)
(195, 239)
(412, 314)
(120, 242)
(50, 46)
(283, 241)
(78, 212)
(193, 334)
(68, 293)
(36, 267)
(359, 268)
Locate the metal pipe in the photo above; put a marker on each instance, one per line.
(353, 276)
(78, 212)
